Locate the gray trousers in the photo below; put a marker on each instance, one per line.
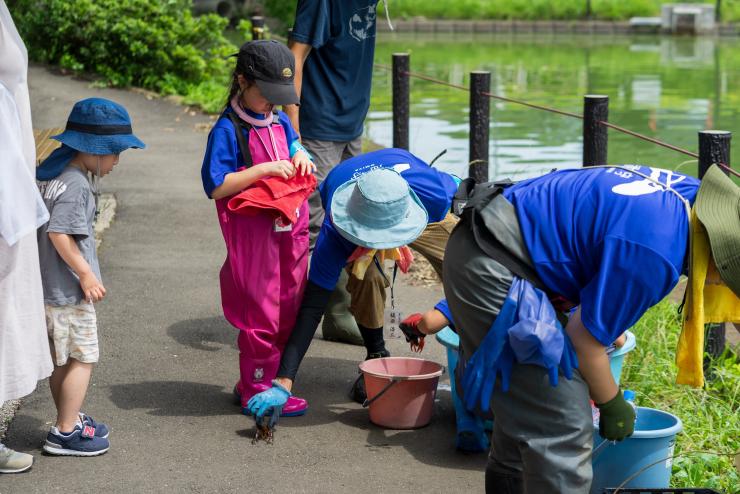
(326, 155)
(542, 435)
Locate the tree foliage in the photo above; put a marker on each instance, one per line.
(158, 45)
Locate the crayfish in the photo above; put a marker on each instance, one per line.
(265, 429)
(417, 345)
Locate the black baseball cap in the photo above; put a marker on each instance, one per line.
(272, 65)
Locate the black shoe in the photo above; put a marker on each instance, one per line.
(381, 354)
(357, 392)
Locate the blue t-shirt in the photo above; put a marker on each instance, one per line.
(337, 74)
(434, 188)
(222, 151)
(444, 308)
(606, 238)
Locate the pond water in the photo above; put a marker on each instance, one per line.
(665, 87)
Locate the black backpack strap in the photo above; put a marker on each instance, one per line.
(477, 199)
(469, 190)
(241, 141)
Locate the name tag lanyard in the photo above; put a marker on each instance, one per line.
(391, 283)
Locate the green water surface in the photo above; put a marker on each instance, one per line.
(668, 88)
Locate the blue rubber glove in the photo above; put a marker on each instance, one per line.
(492, 357)
(271, 399)
(538, 337)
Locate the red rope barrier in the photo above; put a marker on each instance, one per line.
(549, 109)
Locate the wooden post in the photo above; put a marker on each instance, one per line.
(258, 27)
(401, 100)
(714, 147)
(595, 110)
(480, 118)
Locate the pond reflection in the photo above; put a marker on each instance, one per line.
(665, 87)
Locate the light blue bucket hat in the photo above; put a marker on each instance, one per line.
(378, 210)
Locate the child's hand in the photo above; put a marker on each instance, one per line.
(303, 164)
(92, 288)
(280, 168)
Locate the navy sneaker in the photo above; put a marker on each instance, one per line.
(101, 430)
(82, 441)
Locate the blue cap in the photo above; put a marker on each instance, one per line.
(99, 126)
(629, 395)
(95, 126)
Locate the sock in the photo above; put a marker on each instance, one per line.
(373, 339)
(56, 430)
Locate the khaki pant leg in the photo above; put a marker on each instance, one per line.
(433, 241)
(368, 297)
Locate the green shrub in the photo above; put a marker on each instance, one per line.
(158, 45)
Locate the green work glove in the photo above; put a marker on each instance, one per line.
(617, 418)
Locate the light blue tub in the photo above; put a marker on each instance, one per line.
(653, 441)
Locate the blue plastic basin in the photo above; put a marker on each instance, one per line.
(653, 441)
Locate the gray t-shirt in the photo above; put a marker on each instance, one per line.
(71, 204)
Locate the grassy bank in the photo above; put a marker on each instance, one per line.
(710, 416)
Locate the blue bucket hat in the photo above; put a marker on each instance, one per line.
(95, 126)
(378, 210)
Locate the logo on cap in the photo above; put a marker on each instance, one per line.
(287, 72)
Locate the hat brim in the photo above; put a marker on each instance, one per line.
(718, 209)
(398, 235)
(99, 144)
(277, 93)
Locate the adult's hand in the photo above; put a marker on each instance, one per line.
(616, 419)
(271, 399)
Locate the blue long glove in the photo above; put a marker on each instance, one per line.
(272, 399)
(538, 337)
(526, 331)
(492, 357)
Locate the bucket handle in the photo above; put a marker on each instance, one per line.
(600, 448)
(388, 386)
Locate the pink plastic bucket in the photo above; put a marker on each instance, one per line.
(400, 391)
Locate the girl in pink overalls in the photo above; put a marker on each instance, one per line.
(264, 275)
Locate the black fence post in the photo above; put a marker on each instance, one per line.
(258, 27)
(480, 118)
(714, 147)
(595, 110)
(401, 100)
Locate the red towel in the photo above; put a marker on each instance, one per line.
(274, 194)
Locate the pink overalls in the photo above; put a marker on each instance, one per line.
(263, 277)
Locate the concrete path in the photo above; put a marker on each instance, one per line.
(169, 359)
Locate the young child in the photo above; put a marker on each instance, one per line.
(97, 131)
(252, 147)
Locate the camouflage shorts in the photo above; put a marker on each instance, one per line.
(73, 333)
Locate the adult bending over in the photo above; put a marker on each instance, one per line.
(613, 241)
(380, 200)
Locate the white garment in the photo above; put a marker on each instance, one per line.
(24, 345)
